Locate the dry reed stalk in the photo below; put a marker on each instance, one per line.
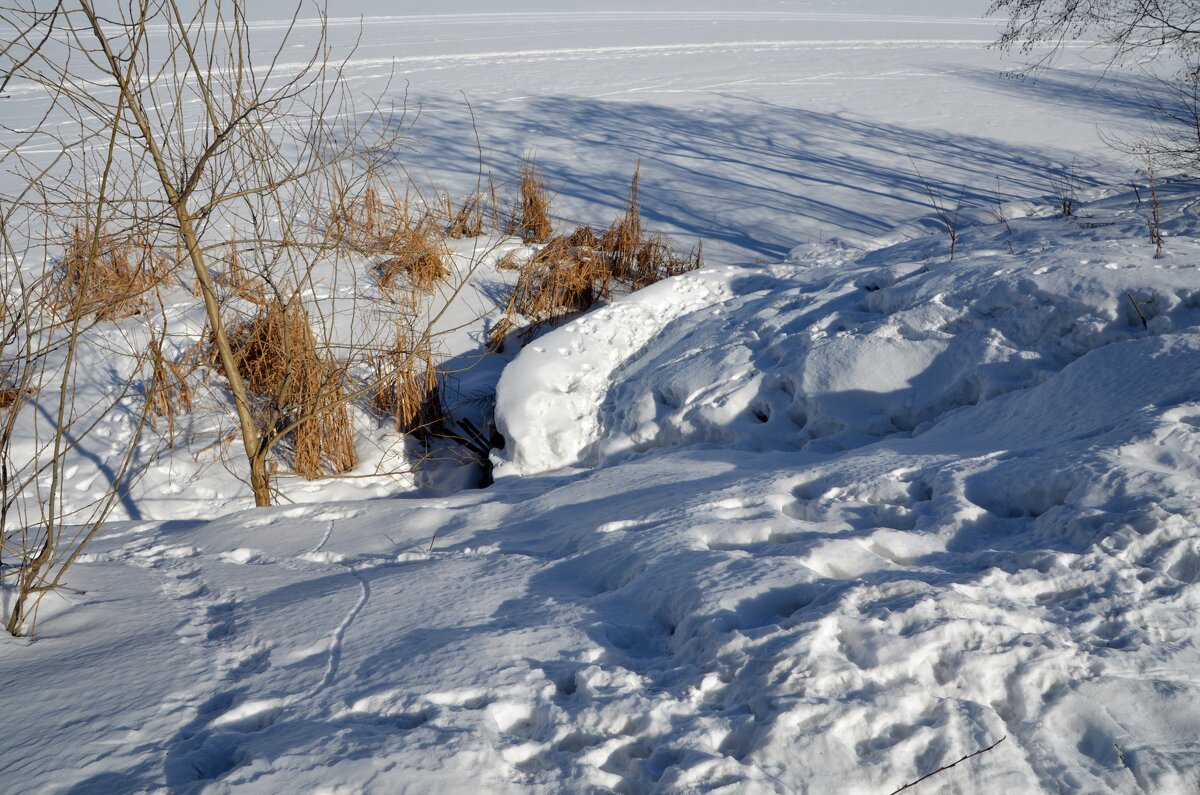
(108, 277)
(168, 394)
(467, 220)
(276, 353)
(498, 334)
(409, 389)
(419, 253)
(623, 239)
(239, 283)
(534, 226)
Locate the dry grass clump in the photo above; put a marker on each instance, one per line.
(418, 253)
(562, 278)
(296, 387)
(408, 387)
(623, 239)
(655, 260)
(411, 243)
(168, 394)
(534, 226)
(510, 261)
(364, 223)
(570, 273)
(635, 259)
(239, 282)
(559, 279)
(108, 276)
(467, 220)
(583, 237)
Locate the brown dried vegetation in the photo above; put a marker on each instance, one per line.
(534, 226)
(299, 391)
(416, 252)
(167, 394)
(467, 220)
(107, 276)
(570, 273)
(408, 387)
(410, 244)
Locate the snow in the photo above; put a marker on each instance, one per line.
(827, 515)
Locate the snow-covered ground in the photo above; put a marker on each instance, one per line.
(828, 515)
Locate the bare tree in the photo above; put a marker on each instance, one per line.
(1162, 36)
(173, 137)
(1145, 27)
(205, 135)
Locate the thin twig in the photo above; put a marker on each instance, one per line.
(952, 764)
(1136, 308)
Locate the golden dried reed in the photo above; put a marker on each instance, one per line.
(535, 226)
(168, 394)
(408, 387)
(277, 355)
(108, 277)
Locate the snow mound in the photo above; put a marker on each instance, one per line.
(824, 357)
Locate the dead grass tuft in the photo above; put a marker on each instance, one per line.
(656, 260)
(108, 277)
(510, 261)
(535, 226)
(583, 237)
(467, 220)
(409, 389)
(168, 394)
(277, 355)
(621, 242)
(410, 241)
(569, 274)
(418, 253)
(557, 280)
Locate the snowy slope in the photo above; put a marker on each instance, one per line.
(836, 523)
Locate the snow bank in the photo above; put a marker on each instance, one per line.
(771, 564)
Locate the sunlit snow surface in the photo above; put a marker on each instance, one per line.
(824, 523)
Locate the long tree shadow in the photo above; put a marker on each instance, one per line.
(750, 177)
